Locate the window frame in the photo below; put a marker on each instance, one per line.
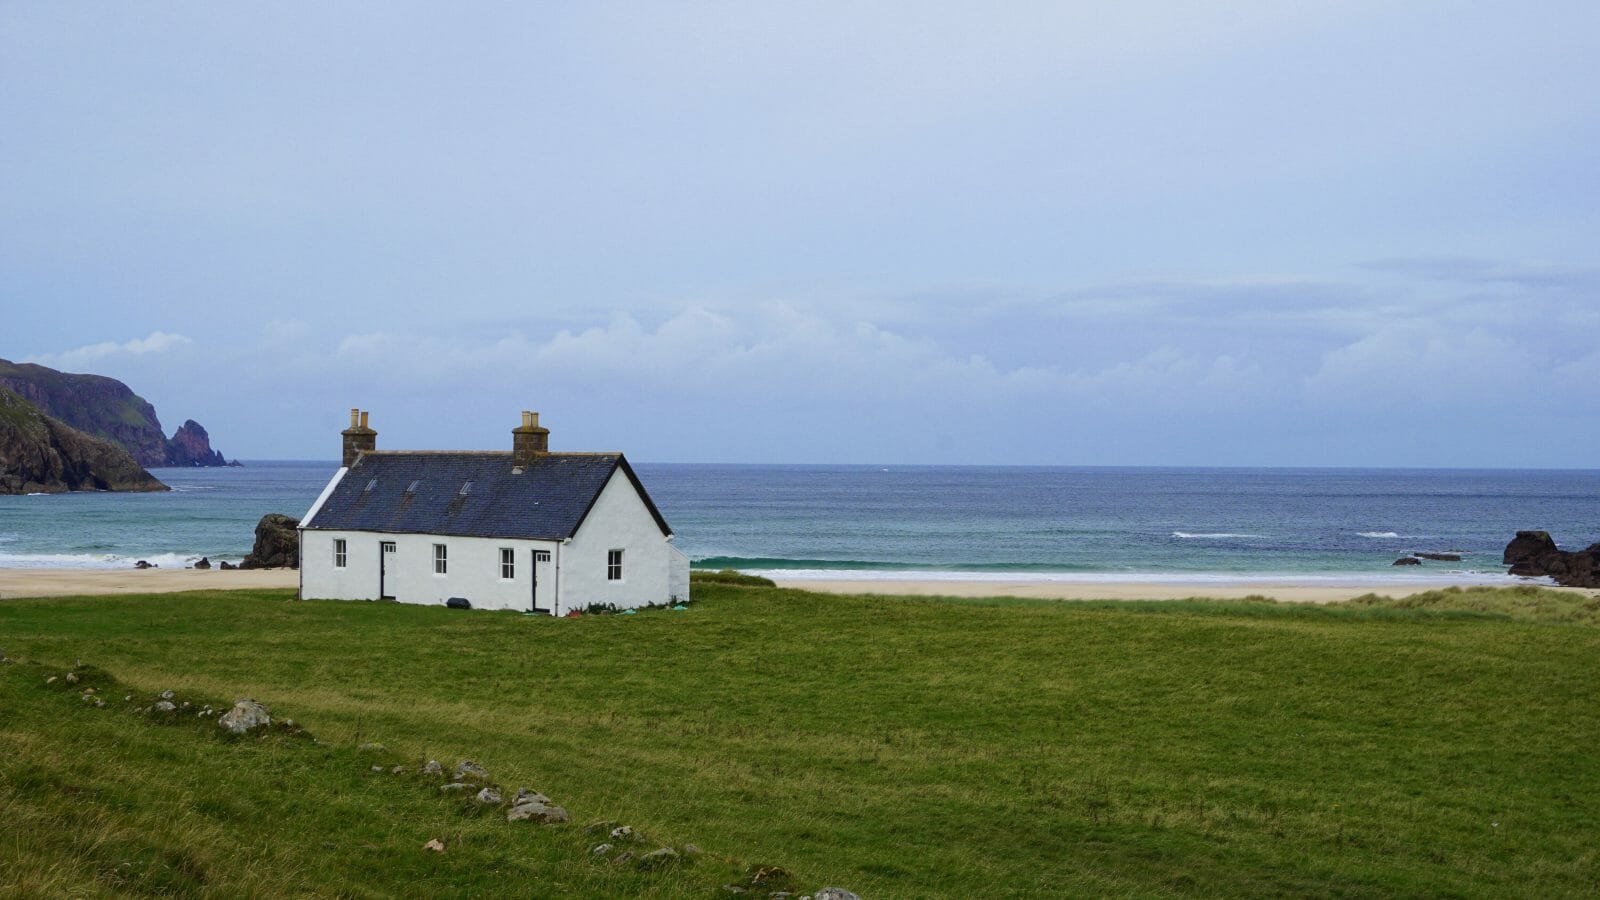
(341, 554)
(441, 559)
(508, 564)
(614, 565)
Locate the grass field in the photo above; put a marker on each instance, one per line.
(897, 747)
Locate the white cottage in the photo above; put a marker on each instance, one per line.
(526, 530)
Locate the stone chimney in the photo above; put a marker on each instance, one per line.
(358, 438)
(529, 441)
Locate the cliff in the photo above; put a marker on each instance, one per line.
(41, 454)
(107, 409)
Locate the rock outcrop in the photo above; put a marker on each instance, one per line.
(39, 454)
(277, 544)
(191, 446)
(1535, 554)
(108, 409)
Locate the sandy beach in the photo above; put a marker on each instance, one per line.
(16, 583)
(1330, 592)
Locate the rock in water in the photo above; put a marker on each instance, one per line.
(1407, 561)
(246, 716)
(191, 446)
(1528, 546)
(1534, 554)
(277, 544)
(203, 563)
(1439, 557)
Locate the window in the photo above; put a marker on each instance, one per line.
(441, 560)
(508, 563)
(614, 565)
(339, 555)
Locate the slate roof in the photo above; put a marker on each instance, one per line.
(547, 500)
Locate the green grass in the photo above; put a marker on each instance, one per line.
(902, 747)
(729, 576)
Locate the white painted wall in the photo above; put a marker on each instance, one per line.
(473, 570)
(619, 520)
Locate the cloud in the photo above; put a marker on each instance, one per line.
(79, 357)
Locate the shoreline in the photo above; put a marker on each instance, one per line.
(17, 583)
(1332, 591)
(62, 582)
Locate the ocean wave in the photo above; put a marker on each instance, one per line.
(98, 560)
(1212, 535)
(1377, 534)
(746, 563)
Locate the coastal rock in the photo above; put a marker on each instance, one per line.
(247, 715)
(1439, 557)
(203, 563)
(1534, 554)
(277, 544)
(1528, 546)
(144, 564)
(190, 445)
(1407, 561)
(226, 566)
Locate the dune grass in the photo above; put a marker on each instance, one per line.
(902, 747)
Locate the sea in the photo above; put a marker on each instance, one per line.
(985, 523)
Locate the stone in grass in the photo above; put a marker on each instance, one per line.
(398, 770)
(72, 678)
(246, 716)
(165, 706)
(835, 893)
(167, 695)
(658, 859)
(691, 850)
(378, 769)
(433, 769)
(623, 858)
(533, 810)
(434, 845)
(600, 826)
(469, 769)
(600, 849)
(455, 787)
(371, 748)
(622, 832)
(490, 797)
(50, 680)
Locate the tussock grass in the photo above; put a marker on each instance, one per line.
(729, 576)
(1534, 604)
(903, 747)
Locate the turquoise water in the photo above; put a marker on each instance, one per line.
(967, 522)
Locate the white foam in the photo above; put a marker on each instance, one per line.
(1377, 534)
(96, 560)
(1212, 535)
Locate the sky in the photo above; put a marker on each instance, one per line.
(1141, 233)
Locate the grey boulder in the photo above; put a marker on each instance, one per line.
(246, 716)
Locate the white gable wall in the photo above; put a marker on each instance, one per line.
(619, 520)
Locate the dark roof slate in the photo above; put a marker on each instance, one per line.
(547, 500)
